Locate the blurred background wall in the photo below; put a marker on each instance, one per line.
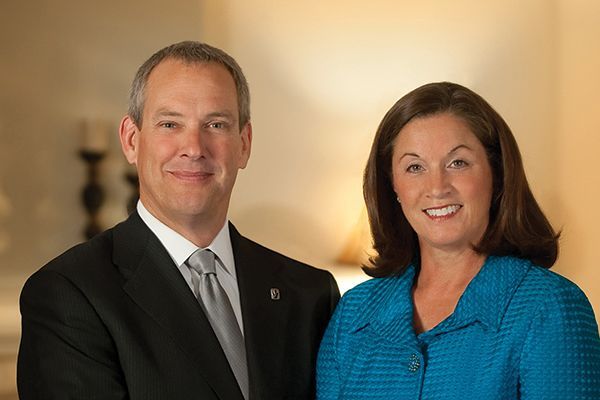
(322, 74)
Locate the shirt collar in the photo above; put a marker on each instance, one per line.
(180, 248)
(486, 299)
(388, 308)
(488, 295)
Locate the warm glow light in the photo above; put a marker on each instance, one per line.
(358, 246)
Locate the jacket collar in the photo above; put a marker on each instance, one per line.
(487, 297)
(259, 272)
(153, 282)
(388, 307)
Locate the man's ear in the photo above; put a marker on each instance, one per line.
(246, 135)
(129, 136)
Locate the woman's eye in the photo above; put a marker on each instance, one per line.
(458, 164)
(414, 168)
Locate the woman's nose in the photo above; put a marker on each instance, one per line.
(439, 184)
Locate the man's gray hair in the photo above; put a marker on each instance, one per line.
(189, 52)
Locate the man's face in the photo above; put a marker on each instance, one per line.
(189, 147)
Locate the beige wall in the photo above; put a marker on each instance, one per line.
(322, 75)
(63, 61)
(577, 173)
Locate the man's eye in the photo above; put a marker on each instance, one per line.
(168, 125)
(216, 125)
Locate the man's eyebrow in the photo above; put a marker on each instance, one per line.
(165, 112)
(222, 114)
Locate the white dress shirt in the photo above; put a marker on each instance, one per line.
(180, 249)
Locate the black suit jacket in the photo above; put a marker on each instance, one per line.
(113, 318)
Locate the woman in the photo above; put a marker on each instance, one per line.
(464, 306)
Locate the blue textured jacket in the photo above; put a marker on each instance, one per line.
(518, 332)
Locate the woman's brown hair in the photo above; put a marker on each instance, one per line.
(517, 226)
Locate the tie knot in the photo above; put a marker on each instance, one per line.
(202, 261)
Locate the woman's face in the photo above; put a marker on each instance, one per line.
(443, 180)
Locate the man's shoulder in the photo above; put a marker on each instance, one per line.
(86, 268)
(83, 255)
(260, 264)
(89, 263)
(244, 246)
(100, 249)
(271, 256)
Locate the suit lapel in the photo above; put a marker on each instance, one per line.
(264, 318)
(157, 287)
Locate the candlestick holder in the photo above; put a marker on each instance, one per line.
(92, 195)
(132, 178)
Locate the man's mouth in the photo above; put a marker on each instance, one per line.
(190, 175)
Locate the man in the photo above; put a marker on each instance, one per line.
(135, 312)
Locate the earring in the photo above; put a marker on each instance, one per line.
(398, 200)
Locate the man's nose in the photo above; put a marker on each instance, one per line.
(193, 144)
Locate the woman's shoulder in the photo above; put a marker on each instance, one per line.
(377, 287)
(550, 284)
(543, 288)
(560, 331)
(376, 298)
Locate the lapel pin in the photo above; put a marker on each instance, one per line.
(275, 294)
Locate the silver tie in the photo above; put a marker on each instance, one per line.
(216, 305)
